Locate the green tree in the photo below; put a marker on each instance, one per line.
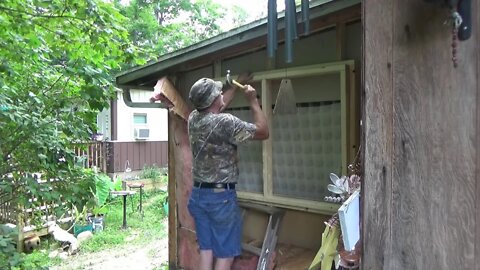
(56, 62)
(162, 26)
(240, 16)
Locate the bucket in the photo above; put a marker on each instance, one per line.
(98, 222)
(77, 229)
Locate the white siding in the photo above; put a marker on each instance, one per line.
(104, 124)
(156, 118)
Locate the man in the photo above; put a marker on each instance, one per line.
(214, 137)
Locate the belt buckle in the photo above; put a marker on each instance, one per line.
(220, 185)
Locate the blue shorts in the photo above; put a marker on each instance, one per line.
(218, 221)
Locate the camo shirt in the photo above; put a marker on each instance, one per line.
(213, 140)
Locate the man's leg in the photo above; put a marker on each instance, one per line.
(223, 263)
(206, 259)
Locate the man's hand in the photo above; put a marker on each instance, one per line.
(250, 93)
(259, 119)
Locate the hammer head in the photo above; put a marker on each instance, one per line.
(232, 82)
(228, 78)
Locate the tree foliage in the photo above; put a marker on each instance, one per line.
(162, 26)
(57, 58)
(57, 62)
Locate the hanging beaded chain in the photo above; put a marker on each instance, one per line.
(457, 21)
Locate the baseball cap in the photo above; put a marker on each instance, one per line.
(204, 91)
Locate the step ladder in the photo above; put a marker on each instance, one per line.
(271, 233)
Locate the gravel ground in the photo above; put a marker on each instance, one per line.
(151, 256)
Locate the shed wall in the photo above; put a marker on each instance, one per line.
(420, 204)
(319, 48)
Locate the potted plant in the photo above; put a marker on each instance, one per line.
(81, 222)
(103, 187)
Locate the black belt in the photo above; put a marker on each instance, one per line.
(214, 185)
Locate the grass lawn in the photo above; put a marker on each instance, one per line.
(140, 232)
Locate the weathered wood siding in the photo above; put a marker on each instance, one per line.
(183, 248)
(138, 154)
(421, 129)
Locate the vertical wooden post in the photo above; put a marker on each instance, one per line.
(421, 130)
(344, 103)
(267, 144)
(217, 69)
(377, 153)
(354, 113)
(20, 226)
(340, 41)
(476, 35)
(172, 199)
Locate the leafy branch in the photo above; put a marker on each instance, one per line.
(41, 15)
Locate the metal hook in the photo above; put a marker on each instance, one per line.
(457, 19)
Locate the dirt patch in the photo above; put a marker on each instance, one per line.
(149, 256)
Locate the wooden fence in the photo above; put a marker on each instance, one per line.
(108, 157)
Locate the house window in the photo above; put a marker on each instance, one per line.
(139, 119)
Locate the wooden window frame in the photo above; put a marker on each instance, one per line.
(348, 96)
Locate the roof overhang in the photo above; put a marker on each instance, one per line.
(237, 41)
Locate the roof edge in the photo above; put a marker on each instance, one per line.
(228, 38)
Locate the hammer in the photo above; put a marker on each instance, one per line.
(231, 81)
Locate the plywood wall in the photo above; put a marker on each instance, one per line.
(420, 194)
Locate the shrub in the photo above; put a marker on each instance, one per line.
(151, 172)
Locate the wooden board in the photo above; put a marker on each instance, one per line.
(420, 156)
(378, 112)
(476, 35)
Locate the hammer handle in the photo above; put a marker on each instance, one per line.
(238, 84)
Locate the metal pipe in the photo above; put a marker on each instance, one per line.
(306, 16)
(275, 25)
(271, 28)
(293, 13)
(288, 32)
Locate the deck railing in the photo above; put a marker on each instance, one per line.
(93, 155)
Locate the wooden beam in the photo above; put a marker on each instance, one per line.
(340, 40)
(345, 125)
(217, 68)
(355, 114)
(377, 123)
(267, 144)
(476, 21)
(172, 199)
(290, 203)
(303, 71)
(20, 225)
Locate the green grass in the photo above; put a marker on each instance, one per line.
(139, 232)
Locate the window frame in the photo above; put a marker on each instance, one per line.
(349, 131)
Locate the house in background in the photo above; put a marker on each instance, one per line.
(133, 137)
(140, 124)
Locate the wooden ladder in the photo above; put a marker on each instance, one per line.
(271, 233)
